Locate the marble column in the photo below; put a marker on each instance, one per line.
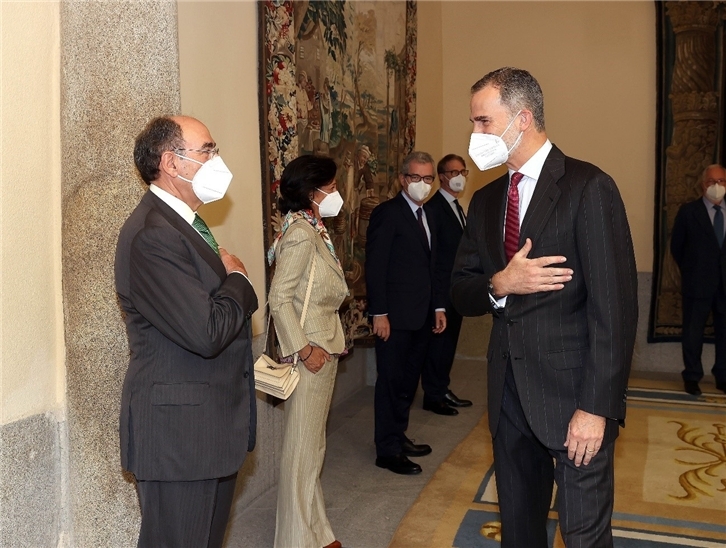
(120, 68)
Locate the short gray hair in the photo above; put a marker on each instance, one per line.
(417, 157)
(518, 90)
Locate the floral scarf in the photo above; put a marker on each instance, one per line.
(293, 216)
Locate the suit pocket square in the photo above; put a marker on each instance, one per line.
(179, 393)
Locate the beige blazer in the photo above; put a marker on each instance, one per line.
(294, 254)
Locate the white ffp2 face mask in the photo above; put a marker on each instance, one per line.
(716, 192)
(488, 150)
(330, 205)
(419, 190)
(212, 180)
(457, 183)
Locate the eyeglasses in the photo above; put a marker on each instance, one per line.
(210, 152)
(456, 172)
(710, 182)
(415, 178)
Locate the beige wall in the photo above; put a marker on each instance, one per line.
(218, 68)
(595, 61)
(596, 64)
(31, 318)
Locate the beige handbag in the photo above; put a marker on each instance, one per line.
(280, 379)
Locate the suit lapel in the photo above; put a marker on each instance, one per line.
(412, 221)
(200, 245)
(544, 199)
(327, 257)
(494, 219)
(444, 205)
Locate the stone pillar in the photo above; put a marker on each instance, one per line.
(120, 68)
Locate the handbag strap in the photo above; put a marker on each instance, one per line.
(308, 291)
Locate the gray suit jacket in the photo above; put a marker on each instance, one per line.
(187, 407)
(572, 348)
(295, 252)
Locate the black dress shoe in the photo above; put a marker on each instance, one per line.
(411, 449)
(692, 388)
(721, 386)
(453, 401)
(440, 408)
(398, 465)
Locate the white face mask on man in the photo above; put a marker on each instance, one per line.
(211, 181)
(715, 192)
(330, 205)
(418, 190)
(489, 150)
(457, 183)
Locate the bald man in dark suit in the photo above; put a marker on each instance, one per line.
(188, 410)
(547, 250)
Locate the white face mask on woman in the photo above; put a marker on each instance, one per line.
(489, 150)
(330, 205)
(211, 181)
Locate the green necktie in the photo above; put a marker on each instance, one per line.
(203, 229)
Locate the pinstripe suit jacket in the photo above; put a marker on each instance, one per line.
(295, 252)
(572, 348)
(187, 407)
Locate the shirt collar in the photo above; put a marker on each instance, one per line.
(710, 204)
(449, 197)
(413, 205)
(533, 167)
(184, 211)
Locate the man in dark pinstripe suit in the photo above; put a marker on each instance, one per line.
(547, 250)
(188, 402)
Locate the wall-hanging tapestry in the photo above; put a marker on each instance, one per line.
(691, 114)
(338, 78)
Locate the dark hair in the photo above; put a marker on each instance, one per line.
(159, 135)
(301, 177)
(518, 90)
(446, 159)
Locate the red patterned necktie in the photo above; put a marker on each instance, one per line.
(511, 228)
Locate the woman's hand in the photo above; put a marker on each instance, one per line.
(315, 358)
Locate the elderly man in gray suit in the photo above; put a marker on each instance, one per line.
(547, 250)
(188, 407)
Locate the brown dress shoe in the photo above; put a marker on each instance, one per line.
(334, 544)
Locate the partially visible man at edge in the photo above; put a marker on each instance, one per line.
(547, 250)
(188, 410)
(697, 247)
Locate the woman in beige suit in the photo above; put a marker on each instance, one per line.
(308, 193)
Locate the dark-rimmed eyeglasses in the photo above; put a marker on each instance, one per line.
(710, 182)
(415, 178)
(456, 172)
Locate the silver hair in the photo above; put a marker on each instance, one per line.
(417, 157)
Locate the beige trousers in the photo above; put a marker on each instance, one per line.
(301, 520)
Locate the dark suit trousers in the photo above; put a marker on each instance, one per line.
(185, 514)
(525, 474)
(439, 359)
(398, 362)
(695, 315)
